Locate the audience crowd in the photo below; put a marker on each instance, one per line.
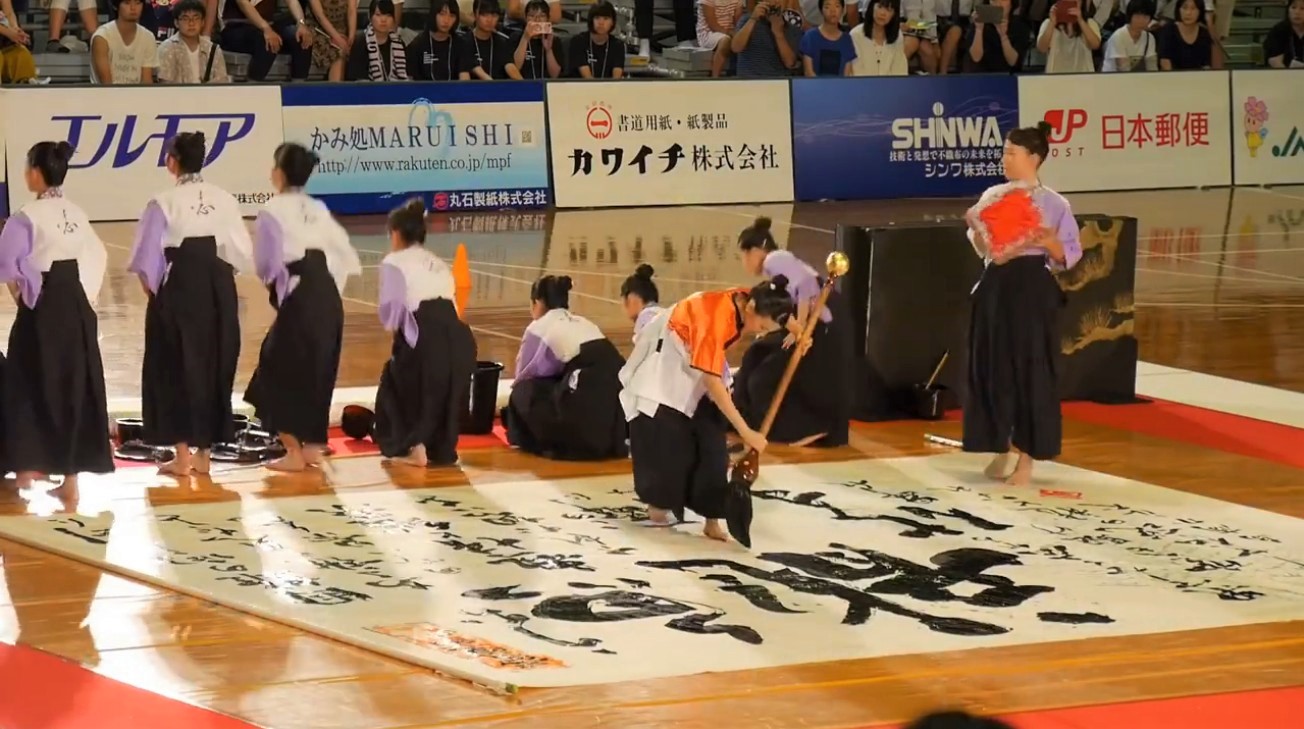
(180, 41)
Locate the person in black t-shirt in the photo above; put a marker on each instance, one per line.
(997, 48)
(436, 54)
(596, 54)
(1187, 44)
(537, 50)
(1284, 45)
(486, 53)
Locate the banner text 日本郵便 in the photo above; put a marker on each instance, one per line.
(120, 139)
(461, 146)
(886, 138)
(629, 143)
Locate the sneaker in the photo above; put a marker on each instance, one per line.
(52, 46)
(39, 81)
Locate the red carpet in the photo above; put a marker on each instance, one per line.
(1267, 709)
(40, 691)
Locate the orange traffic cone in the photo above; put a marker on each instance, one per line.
(461, 280)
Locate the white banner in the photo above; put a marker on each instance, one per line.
(1268, 117)
(626, 143)
(120, 133)
(1132, 131)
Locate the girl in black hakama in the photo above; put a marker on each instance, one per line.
(677, 402)
(1013, 407)
(304, 257)
(817, 408)
(55, 418)
(565, 400)
(190, 244)
(424, 386)
(639, 296)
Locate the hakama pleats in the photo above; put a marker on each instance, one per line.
(423, 390)
(192, 343)
(1013, 397)
(55, 414)
(681, 462)
(576, 415)
(292, 387)
(819, 398)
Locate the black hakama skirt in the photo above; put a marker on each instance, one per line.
(575, 416)
(1013, 395)
(192, 343)
(292, 387)
(681, 462)
(818, 400)
(55, 413)
(423, 390)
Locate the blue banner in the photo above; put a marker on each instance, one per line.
(885, 138)
(460, 146)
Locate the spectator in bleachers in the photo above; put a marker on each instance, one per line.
(1132, 48)
(379, 54)
(518, 10)
(880, 50)
(766, 41)
(435, 55)
(685, 24)
(715, 21)
(188, 57)
(1283, 47)
(122, 52)
(16, 63)
(90, 18)
(1187, 45)
(596, 54)
(257, 30)
(919, 33)
(334, 26)
(826, 50)
(486, 53)
(954, 21)
(537, 49)
(1069, 42)
(1169, 11)
(1000, 47)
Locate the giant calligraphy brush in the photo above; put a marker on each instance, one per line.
(738, 502)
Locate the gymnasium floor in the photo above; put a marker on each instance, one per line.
(1218, 300)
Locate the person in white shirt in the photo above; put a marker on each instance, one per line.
(1068, 46)
(879, 43)
(121, 53)
(1132, 47)
(716, 20)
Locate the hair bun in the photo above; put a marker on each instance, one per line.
(779, 282)
(762, 224)
(197, 137)
(564, 283)
(1045, 128)
(644, 271)
(64, 151)
(314, 158)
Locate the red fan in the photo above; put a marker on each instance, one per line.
(1008, 221)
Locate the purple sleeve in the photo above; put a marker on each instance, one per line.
(147, 259)
(393, 304)
(269, 254)
(803, 284)
(535, 359)
(15, 258)
(1056, 208)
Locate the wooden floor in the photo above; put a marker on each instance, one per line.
(1221, 286)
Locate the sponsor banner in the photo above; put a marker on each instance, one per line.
(462, 147)
(120, 135)
(1267, 127)
(885, 138)
(620, 144)
(1132, 131)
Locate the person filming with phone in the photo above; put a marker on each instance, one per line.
(766, 41)
(1069, 37)
(997, 41)
(536, 50)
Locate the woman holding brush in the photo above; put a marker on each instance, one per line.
(817, 409)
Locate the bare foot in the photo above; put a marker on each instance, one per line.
(175, 468)
(415, 457)
(714, 530)
(67, 489)
(203, 462)
(291, 463)
(999, 468)
(24, 479)
(658, 516)
(1022, 475)
(312, 456)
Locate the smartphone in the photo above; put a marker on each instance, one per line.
(989, 14)
(541, 27)
(1061, 11)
